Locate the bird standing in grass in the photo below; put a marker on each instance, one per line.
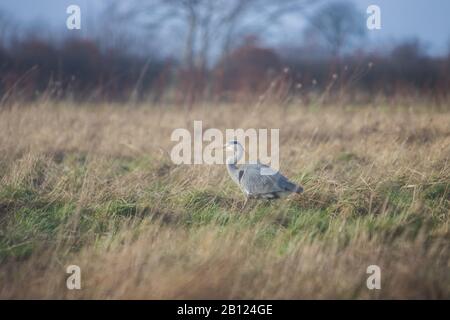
(257, 180)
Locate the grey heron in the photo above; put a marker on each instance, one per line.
(257, 180)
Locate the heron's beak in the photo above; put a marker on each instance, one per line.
(222, 147)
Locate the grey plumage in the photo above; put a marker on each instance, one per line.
(252, 181)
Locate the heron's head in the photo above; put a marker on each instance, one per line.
(232, 145)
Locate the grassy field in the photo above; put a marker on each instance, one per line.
(94, 186)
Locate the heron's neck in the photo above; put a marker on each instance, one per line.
(237, 155)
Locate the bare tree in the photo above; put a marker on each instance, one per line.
(7, 26)
(208, 26)
(339, 24)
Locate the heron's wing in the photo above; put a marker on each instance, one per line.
(287, 185)
(255, 182)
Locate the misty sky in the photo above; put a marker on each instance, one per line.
(427, 20)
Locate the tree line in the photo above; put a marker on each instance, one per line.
(219, 52)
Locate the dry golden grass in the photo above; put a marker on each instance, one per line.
(93, 186)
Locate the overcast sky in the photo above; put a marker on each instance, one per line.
(427, 20)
